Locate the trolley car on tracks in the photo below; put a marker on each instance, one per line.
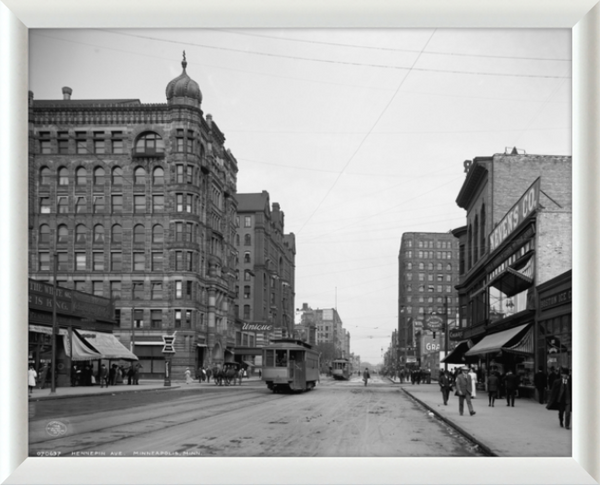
(341, 369)
(290, 365)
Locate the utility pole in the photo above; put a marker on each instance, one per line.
(54, 327)
(446, 331)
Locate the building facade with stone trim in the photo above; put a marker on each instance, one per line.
(138, 203)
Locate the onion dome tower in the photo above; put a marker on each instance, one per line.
(183, 89)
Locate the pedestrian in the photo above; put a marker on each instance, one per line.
(31, 377)
(492, 386)
(43, 375)
(259, 374)
(463, 391)
(366, 375)
(511, 384)
(136, 373)
(103, 376)
(112, 375)
(560, 398)
(188, 376)
(473, 383)
(445, 383)
(552, 376)
(208, 375)
(130, 373)
(540, 381)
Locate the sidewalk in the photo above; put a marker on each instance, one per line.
(526, 430)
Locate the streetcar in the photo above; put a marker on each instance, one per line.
(341, 369)
(290, 365)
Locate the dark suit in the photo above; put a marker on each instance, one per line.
(560, 398)
(463, 391)
(511, 383)
(445, 386)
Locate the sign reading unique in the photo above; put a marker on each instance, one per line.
(256, 327)
(516, 215)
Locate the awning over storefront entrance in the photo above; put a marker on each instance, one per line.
(106, 344)
(524, 346)
(495, 342)
(513, 281)
(456, 356)
(80, 351)
(249, 364)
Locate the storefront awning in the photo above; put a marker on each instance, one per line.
(106, 344)
(249, 364)
(513, 281)
(524, 346)
(495, 342)
(80, 351)
(456, 356)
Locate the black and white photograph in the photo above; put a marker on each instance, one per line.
(300, 243)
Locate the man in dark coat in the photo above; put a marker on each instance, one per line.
(560, 398)
(464, 387)
(540, 382)
(552, 376)
(445, 382)
(511, 384)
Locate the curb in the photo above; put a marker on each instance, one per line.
(96, 394)
(451, 423)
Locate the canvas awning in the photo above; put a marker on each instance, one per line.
(513, 281)
(524, 346)
(249, 364)
(456, 356)
(495, 342)
(106, 344)
(80, 351)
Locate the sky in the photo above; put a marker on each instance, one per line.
(360, 135)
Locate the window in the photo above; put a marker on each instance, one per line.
(45, 146)
(139, 233)
(149, 143)
(409, 254)
(247, 257)
(98, 288)
(177, 318)
(117, 176)
(99, 143)
(63, 261)
(179, 231)
(44, 261)
(440, 277)
(80, 262)
(117, 142)
(139, 261)
(138, 290)
(408, 276)
(449, 267)
(448, 288)
(157, 290)
(179, 174)
(45, 176)
(63, 176)
(80, 285)
(178, 289)
(115, 289)
(158, 203)
(179, 260)
(247, 240)
(189, 231)
(188, 203)
(247, 221)
(62, 234)
(44, 205)
(157, 261)
(155, 318)
(98, 204)
(158, 176)
(179, 202)
(116, 261)
(190, 142)
(190, 174)
(44, 234)
(98, 261)
(190, 261)
(158, 234)
(247, 275)
(138, 318)
(80, 142)
(139, 176)
(98, 233)
(421, 276)
(117, 204)
(246, 312)
(188, 318)
(430, 266)
(139, 202)
(81, 176)
(247, 292)
(80, 233)
(179, 141)
(63, 142)
(80, 205)
(116, 234)
(188, 289)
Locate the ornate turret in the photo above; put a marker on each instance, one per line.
(183, 89)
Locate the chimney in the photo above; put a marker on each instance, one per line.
(209, 120)
(67, 92)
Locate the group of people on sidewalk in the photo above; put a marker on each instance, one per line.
(464, 385)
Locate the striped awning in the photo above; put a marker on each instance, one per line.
(524, 346)
(496, 342)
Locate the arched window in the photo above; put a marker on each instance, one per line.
(116, 234)
(45, 176)
(247, 240)
(80, 233)
(149, 143)
(158, 176)
(44, 234)
(81, 176)
(449, 267)
(139, 176)
(158, 234)
(62, 234)
(63, 176)
(138, 233)
(98, 233)
(117, 176)
(99, 176)
(482, 231)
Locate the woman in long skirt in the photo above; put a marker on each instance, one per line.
(31, 376)
(188, 376)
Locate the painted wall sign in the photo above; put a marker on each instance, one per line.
(255, 327)
(525, 206)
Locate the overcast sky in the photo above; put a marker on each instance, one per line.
(360, 135)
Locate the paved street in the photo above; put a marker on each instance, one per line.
(336, 419)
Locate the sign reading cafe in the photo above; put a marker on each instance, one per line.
(525, 206)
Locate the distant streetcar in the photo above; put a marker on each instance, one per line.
(341, 369)
(290, 364)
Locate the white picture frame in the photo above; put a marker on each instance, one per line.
(17, 16)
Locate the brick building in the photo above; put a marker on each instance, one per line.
(517, 236)
(138, 202)
(265, 292)
(428, 272)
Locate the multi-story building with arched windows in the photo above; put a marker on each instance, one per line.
(137, 202)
